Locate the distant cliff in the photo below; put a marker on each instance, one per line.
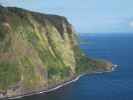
(38, 51)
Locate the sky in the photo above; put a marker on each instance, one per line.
(87, 16)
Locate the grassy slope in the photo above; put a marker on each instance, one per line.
(38, 50)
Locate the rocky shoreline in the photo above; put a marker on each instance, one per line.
(43, 90)
(59, 86)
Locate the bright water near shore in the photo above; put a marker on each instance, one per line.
(117, 85)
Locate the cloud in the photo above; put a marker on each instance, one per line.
(15, 2)
(131, 24)
(9, 2)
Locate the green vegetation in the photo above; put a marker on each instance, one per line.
(38, 50)
(9, 74)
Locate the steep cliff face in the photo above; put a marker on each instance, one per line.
(38, 51)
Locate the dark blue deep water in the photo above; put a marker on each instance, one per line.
(117, 85)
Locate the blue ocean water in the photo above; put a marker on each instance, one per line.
(117, 85)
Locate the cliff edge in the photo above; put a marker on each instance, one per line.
(39, 51)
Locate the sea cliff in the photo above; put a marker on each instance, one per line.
(39, 52)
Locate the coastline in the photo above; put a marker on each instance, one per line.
(61, 85)
(49, 90)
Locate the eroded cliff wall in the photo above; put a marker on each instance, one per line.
(37, 51)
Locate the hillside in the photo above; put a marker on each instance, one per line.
(39, 51)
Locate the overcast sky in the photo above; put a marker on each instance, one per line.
(87, 16)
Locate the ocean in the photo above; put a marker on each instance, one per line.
(117, 85)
